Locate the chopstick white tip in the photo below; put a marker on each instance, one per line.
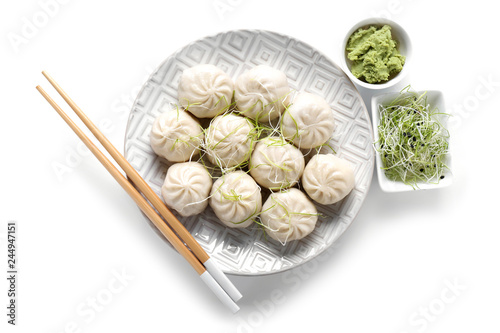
(222, 279)
(219, 292)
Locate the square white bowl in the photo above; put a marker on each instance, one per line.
(434, 99)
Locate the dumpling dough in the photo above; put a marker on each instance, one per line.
(309, 121)
(176, 135)
(288, 215)
(262, 93)
(229, 140)
(186, 188)
(276, 164)
(327, 178)
(236, 199)
(205, 90)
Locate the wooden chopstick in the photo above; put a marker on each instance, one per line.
(146, 208)
(152, 197)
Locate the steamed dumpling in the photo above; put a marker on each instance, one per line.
(229, 140)
(327, 178)
(205, 90)
(236, 199)
(276, 164)
(261, 93)
(309, 121)
(186, 188)
(288, 215)
(176, 135)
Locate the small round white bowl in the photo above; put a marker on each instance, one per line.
(404, 47)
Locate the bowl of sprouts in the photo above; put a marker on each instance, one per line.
(411, 140)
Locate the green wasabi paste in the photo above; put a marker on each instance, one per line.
(374, 54)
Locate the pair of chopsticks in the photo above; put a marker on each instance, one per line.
(183, 241)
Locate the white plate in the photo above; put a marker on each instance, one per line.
(434, 99)
(246, 251)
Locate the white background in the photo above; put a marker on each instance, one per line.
(77, 229)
